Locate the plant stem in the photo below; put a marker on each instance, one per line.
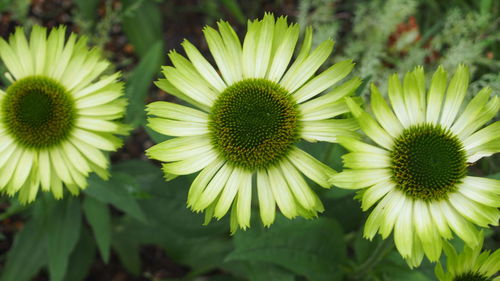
(378, 254)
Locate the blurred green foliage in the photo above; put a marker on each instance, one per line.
(113, 220)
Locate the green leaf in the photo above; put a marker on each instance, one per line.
(63, 230)
(88, 8)
(313, 248)
(259, 271)
(99, 218)
(170, 224)
(140, 82)
(27, 255)
(234, 8)
(142, 24)
(118, 191)
(127, 249)
(82, 257)
(494, 176)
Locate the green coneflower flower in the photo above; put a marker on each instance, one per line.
(247, 120)
(417, 171)
(55, 119)
(470, 265)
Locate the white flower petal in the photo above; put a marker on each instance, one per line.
(175, 111)
(267, 203)
(177, 128)
(323, 81)
(295, 77)
(311, 167)
(455, 95)
(355, 179)
(282, 193)
(435, 95)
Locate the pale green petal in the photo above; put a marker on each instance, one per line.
(397, 202)
(403, 229)
(330, 104)
(482, 190)
(483, 150)
(22, 171)
(323, 81)
(472, 110)
(482, 136)
(284, 50)
(369, 126)
(190, 165)
(55, 45)
(473, 211)
(190, 87)
(427, 231)
(267, 204)
(76, 157)
(104, 85)
(97, 125)
(249, 55)
(487, 113)
(38, 40)
(440, 220)
(179, 148)
(7, 171)
(20, 46)
(364, 160)
(356, 179)
(203, 67)
(177, 128)
(301, 191)
(11, 61)
(165, 85)
(90, 152)
(229, 192)
(63, 59)
(190, 73)
(233, 50)
(244, 207)
(355, 145)
(395, 93)
(175, 111)
(213, 189)
(373, 194)
(435, 95)
(59, 166)
(219, 52)
(295, 77)
(282, 193)
(464, 229)
(201, 181)
(311, 167)
(328, 130)
(263, 48)
(44, 169)
(376, 218)
(95, 139)
(455, 95)
(415, 107)
(384, 114)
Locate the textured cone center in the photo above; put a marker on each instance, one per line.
(254, 123)
(471, 276)
(428, 162)
(38, 112)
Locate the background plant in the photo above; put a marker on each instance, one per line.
(136, 226)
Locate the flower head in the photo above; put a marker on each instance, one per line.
(246, 122)
(55, 118)
(470, 265)
(416, 172)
